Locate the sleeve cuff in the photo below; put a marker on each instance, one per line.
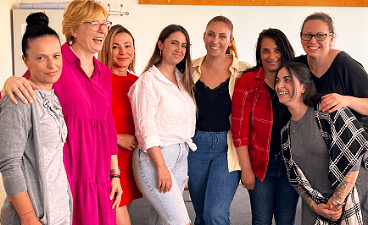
(114, 145)
(149, 143)
(240, 142)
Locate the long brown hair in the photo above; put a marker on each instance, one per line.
(105, 55)
(184, 66)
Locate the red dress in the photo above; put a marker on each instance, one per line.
(124, 125)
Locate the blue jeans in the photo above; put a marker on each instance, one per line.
(169, 206)
(274, 196)
(211, 186)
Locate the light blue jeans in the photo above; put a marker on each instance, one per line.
(169, 206)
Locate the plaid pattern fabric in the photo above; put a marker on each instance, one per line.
(347, 141)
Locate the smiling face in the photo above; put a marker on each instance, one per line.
(270, 55)
(288, 88)
(313, 47)
(122, 50)
(44, 61)
(217, 39)
(89, 40)
(174, 48)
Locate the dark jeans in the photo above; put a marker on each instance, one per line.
(274, 196)
(211, 186)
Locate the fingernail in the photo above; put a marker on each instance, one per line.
(34, 96)
(110, 198)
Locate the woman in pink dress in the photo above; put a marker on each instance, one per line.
(84, 91)
(118, 54)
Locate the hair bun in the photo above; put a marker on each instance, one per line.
(38, 18)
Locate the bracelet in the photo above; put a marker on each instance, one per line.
(114, 176)
(26, 213)
(115, 171)
(337, 202)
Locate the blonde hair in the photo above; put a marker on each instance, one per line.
(105, 55)
(77, 12)
(232, 49)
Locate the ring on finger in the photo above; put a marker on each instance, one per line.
(15, 89)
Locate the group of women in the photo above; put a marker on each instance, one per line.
(213, 122)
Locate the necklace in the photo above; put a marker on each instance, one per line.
(91, 67)
(296, 124)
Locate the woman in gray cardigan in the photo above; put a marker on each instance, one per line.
(32, 138)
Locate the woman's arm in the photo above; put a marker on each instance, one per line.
(22, 203)
(248, 178)
(241, 113)
(21, 87)
(163, 174)
(333, 102)
(321, 209)
(116, 190)
(343, 190)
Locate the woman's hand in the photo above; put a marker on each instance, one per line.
(29, 219)
(323, 210)
(164, 179)
(22, 88)
(116, 193)
(333, 102)
(127, 141)
(332, 206)
(248, 179)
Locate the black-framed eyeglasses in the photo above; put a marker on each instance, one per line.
(318, 36)
(96, 26)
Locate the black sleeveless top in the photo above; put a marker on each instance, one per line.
(214, 107)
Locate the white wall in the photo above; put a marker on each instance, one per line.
(5, 43)
(146, 22)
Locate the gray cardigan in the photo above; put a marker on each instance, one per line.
(21, 156)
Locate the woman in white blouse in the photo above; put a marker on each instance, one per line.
(164, 117)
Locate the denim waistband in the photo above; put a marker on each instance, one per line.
(212, 132)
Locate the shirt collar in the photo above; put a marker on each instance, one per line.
(71, 58)
(234, 68)
(162, 78)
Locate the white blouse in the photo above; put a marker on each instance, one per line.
(163, 113)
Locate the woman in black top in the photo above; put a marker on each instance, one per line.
(342, 79)
(214, 170)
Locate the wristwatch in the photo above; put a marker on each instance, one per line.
(337, 202)
(115, 171)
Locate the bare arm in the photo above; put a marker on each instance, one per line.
(335, 101)
(248, 178)
(163, 174)
(116, 190)
(321, 209)
(22, 203)
(343, 190)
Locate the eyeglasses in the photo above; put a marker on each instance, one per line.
(318, 36)
(96, 26)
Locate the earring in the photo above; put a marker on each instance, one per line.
(160, 52)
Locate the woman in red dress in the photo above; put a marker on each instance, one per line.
(119, 55)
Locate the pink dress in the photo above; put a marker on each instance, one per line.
(91, 138)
